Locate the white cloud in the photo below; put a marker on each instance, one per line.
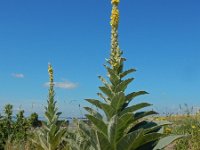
(63, 85)
(18, 75)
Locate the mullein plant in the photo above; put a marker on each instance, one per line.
(51, 135)
(125, 126)
(76, 138)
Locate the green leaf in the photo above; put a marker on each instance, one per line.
(95, 102)
(112, 131)
(103, 143)
(136, 124)
(123, 74)
(135, 108)
(155, 127)
(122, 124)
(140, 115)
(94, 113)
(52, 132)
(114, 78)
(104, 98)
(108, 110)
(107, 91)
(89, 133)
(99, 124)
(162, 143)
(118, 100)
(129, 140)
(132, 95)
(85, 128)
(43, 143)
(103, 80)
(151, 137)
(59, 136)
(123, 85)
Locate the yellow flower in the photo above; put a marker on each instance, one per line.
(193, 127)
(114, 17)
(168, 129)
(115, 1)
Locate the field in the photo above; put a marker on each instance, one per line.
(186, 125)
(17, 136)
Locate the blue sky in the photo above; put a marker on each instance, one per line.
(159, 38)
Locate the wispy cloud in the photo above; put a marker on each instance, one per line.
(63, 85)
(18, 75)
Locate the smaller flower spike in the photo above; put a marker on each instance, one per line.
(50, 70)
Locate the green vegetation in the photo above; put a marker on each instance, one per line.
(122, 125)
(15, 131)
(51, 135)
(185, 124)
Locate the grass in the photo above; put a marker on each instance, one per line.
(184, 124)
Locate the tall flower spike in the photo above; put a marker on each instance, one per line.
(116, 61)
(125, 126)
(52, 133)
(51, 80)
(114, 17)
(50, 71)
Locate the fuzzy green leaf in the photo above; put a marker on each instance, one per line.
(94, 113)
(118, 100)
(122, 124)
(132, 95)
(128, 140)
(103, 80)
(99, 124)
(151, 137)
(135, 108)
(112, 130)
(114, 78)
(108, 110)
(162, 143)
(123, 74)
(103, 143)
(104, 98)
(95, 102)
(123, 85)
(107, 91)
(140, 115)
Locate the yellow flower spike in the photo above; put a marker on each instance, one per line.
(115, 1)
(114, 17)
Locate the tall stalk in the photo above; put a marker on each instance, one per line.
(51, 135)
(125, 126)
